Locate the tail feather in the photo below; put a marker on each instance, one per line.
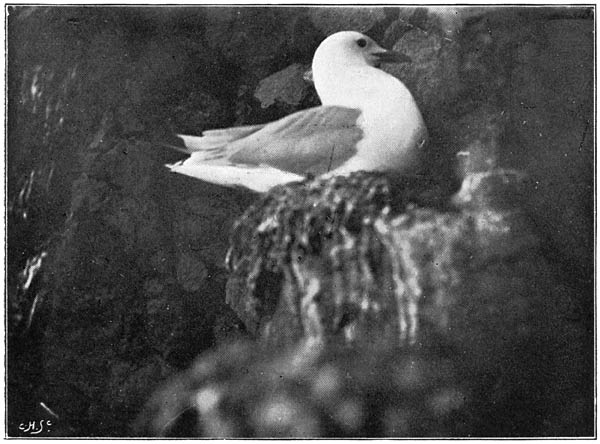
(209, 161)
(237, 131)
(217, 138)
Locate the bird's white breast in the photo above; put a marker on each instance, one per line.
(392, 125)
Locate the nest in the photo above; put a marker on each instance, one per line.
(318, 240)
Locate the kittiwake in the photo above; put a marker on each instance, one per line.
(368, 121)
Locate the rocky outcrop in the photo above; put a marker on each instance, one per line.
(459, 303)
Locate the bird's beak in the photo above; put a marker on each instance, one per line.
(385, 56)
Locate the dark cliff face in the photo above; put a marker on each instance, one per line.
(116, 276)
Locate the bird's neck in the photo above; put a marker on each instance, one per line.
(355, 87)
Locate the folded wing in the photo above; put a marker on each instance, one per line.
(312, 141)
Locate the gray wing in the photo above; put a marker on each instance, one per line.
(313, 141)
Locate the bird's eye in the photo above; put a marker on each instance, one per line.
(361, 42)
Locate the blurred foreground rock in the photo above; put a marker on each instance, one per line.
(309, 391)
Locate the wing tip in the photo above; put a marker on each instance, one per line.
(173, 167)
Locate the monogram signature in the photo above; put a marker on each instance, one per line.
(35, 427)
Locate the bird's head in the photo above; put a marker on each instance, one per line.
(351, 48)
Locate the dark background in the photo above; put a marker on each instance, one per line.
(131, 283)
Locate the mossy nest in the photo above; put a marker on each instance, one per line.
(332, 218)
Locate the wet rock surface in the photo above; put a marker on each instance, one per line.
(115, 269)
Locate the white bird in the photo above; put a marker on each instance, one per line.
(368, 121)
